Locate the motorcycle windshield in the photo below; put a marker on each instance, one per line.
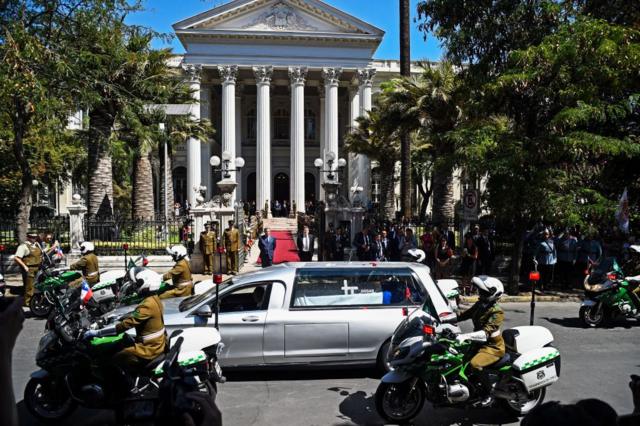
(411, 326)
(599, 272)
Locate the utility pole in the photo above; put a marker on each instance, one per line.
(405, 140)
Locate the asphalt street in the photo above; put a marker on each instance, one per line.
(596, 363)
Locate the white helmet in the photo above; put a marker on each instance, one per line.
(417, 255)
(86, 247)
(634, 249)
(146, 279)
(177, 252)
(490, 288)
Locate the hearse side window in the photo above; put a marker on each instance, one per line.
(356, 287)
(246, 299)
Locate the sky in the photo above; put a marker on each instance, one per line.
(161, 14)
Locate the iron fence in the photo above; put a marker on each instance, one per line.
(57, 226)
(109, 235)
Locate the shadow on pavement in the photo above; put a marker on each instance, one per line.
(359, 408)
(276, 374)
(575, 322)
(80, 417)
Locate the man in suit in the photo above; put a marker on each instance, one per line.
(208, 247)
(377, 249)
(363, 242)
(386, 244)
(305, 245)
(337, 244)
(232, 246)
(267, 246)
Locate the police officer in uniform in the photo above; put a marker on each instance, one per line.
(208, 247)
(88, 263)
(232, 246)
(148, 321)
(180, 274)
(487, 319)
(28, 257)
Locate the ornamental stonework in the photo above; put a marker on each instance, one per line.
(192, 71)
(280, 17)
(228, 73)
(263, 74)
(331, 76)
(297, 75)
(366, 75)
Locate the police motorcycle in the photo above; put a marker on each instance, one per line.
(78, 371)
(608, 294)
(50, 281)
(432, 363)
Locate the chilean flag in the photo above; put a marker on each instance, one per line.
(86, 293)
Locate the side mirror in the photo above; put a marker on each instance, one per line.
(204, 311)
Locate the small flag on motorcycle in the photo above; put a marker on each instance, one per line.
(86, 293)
(405, 311)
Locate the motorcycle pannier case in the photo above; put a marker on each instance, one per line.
(526, 338)
(538, 368)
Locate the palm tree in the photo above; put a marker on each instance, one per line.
(431, 106)
(405, 71)
(372, 138)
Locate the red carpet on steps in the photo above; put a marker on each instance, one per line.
(286, 250)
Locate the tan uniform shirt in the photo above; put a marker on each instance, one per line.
(30, 253)
(181, 279)
(208, 242)
(232, 239)
(88, 264)
(490, 321)
(149, 324)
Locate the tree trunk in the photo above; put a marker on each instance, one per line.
(142, 191)
(387, 190)
(100, 201)
(405, 140)
(426, 196)
(26, 181)
(443, 204)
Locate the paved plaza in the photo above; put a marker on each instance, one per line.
(595, 364)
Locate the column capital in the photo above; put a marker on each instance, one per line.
(297, 75)
(228, 73)
(263, 74)
(331, 76)
(365, 76)
(193, 72)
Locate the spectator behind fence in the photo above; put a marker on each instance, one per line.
(546, 256)
(443, 254)
(566, 246)
(429, 248)
(469, 258)
(486, 252)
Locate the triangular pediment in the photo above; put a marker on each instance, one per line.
(295, 16)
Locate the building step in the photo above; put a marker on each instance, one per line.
(281, 224)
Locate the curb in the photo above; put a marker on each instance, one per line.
(527, 299)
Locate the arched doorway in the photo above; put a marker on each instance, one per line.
(180, 184)
(310, 187)
(281, 187)
(251, 187)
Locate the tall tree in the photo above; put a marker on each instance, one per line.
(372, 138)
(405, 138)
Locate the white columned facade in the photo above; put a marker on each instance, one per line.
(239, 175)
(228, 74)
(206, 177)
(193, 145)
(354, 113)
(263, 138)
(365, 77)
(297, 75)
(331, 78)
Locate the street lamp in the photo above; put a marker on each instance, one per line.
(223, 165)
(331, 185)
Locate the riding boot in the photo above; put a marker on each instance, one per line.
(484, 387)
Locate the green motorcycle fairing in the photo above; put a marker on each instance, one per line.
(61, 280)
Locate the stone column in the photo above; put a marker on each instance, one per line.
(331, 80)
(228, 74)
(239, 179)
(263, 138)
(206, 177)
(77, 210)
(297, 76)
(365, 77)
(322, 135)
(193, 73)
(354, 113)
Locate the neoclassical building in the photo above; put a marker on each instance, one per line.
(282, 81)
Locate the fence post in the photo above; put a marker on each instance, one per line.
(77, 210)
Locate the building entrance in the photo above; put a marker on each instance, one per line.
(281, 188)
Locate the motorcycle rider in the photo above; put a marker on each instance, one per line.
(148, 321)
(180, 274)
(631, 271)
(88, 263)
(487, 317)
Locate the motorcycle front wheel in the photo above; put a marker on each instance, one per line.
(399, 402)
(47, 400)
(591, 316)
(39, 305)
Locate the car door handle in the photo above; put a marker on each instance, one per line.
(251, 318)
